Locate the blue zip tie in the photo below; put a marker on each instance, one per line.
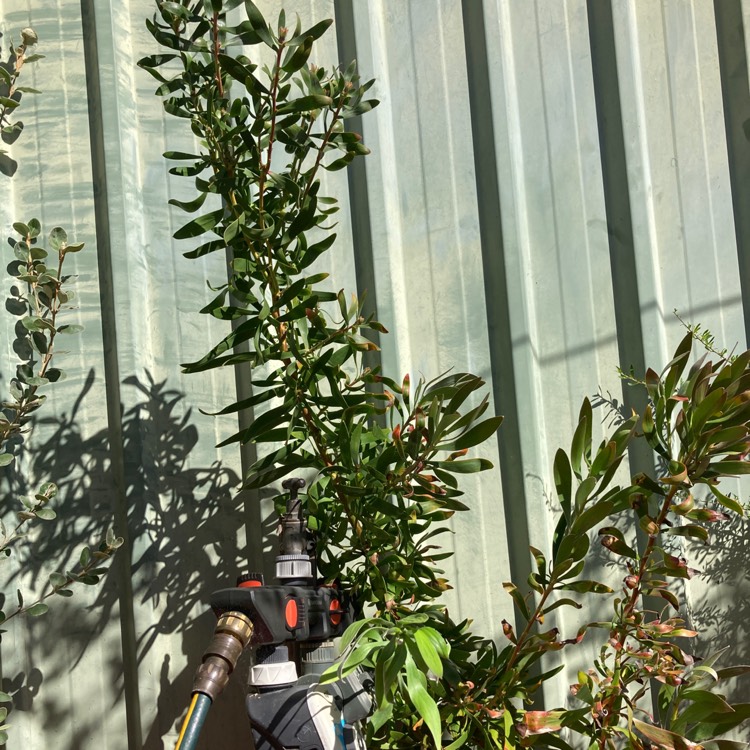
(340, 732)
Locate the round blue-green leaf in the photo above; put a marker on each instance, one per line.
(57, 579)
(58, 238)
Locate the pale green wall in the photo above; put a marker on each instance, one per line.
(533, 211)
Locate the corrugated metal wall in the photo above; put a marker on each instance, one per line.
(549, 180)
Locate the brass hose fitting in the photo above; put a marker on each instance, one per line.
(231, 636)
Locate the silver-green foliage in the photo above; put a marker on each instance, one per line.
(39, 298)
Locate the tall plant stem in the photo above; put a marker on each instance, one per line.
(623, 629)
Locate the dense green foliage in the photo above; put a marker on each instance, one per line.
(384, 455)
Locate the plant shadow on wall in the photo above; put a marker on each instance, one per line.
(715, 602)
(181, 520)
(722, 609)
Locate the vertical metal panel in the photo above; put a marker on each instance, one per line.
(686, 253)
(497, 241)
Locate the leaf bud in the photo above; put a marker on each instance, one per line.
(406, 385)
(29, 37)
(707, 515)
(631, 581)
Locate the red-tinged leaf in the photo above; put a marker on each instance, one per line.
(542, 722)
(520, 602)
(578, 637)
(677, 566)
(674, 369)
(684, 507)
(677, 473)
(707, 515)
(664, 737)
(683, 633)
(668, 595)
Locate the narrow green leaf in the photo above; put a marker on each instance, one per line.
(730, 468)
(305, 104)
(583, 493)
(422, 700)
(583, 587)
(199, 226)
(518, 598)
(296, 58)
(689, 530)
(478, 433)
(468, 466)
(563, 480)
(428, 652)
(581, 438)
(189, 206)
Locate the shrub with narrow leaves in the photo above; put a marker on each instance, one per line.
(385, 455)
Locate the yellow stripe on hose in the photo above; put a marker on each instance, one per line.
(187, 721)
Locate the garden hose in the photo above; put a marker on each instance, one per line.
(231, 636)
(191, 727)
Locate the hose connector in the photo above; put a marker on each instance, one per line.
(232, 635)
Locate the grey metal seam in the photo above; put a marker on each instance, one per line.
(735, 91)
(243, 384)
(617, 204)
(619, 224)
(359, 203)
(496, 288)
(121, 562)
